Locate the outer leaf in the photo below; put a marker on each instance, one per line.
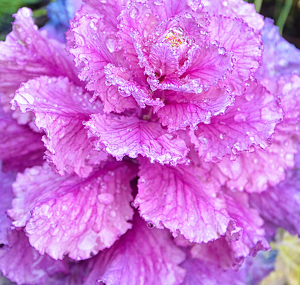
(27, 53)
(205, 273)
(250, 121)
(280, 58)
(279, 205)
(257, 170)
(70, 215)
(6, 197)
(182, 199)
(21, 263)
(61, 108)
(250, 239)
(142, 256)
(20, 147)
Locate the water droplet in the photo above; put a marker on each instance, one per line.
(111, 43)
(105, 198)
(26, 12)
(134, 204)
(83, 59)
(240, 117)
(134, 12)
(21, 61)
(250, 96)
(93, 25)
(251, 148)
(159, 31)
(222, 136)
(221, 50)
(28, 40)
(203, 139)
(150, 225)
(283, 62)
(113, 213)
(64, 208)
(158, 2)
(76, 24)
(266, 114)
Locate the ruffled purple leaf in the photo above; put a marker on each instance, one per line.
(106, 10)
(246, 47)
(136, 17)
(208, 63)
(204, 67)
(131, 136)
(235, 8)
(6, 197)
(21, 263)
(120, 77)
(27, 53)
(290, 100)
(60, 109)
(257, 170)
(94, 48)
(206, 273)
(183, 199)
(20, 147)
(182, 110)
(141, 256)
(279, 204)
(250, 121)
(249, 235)
(166, 9)
(252, 237)
(71, 215)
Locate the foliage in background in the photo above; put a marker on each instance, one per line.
(286, 14)
(9, 7)
(287, 265)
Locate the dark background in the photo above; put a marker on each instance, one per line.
(291, 30)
